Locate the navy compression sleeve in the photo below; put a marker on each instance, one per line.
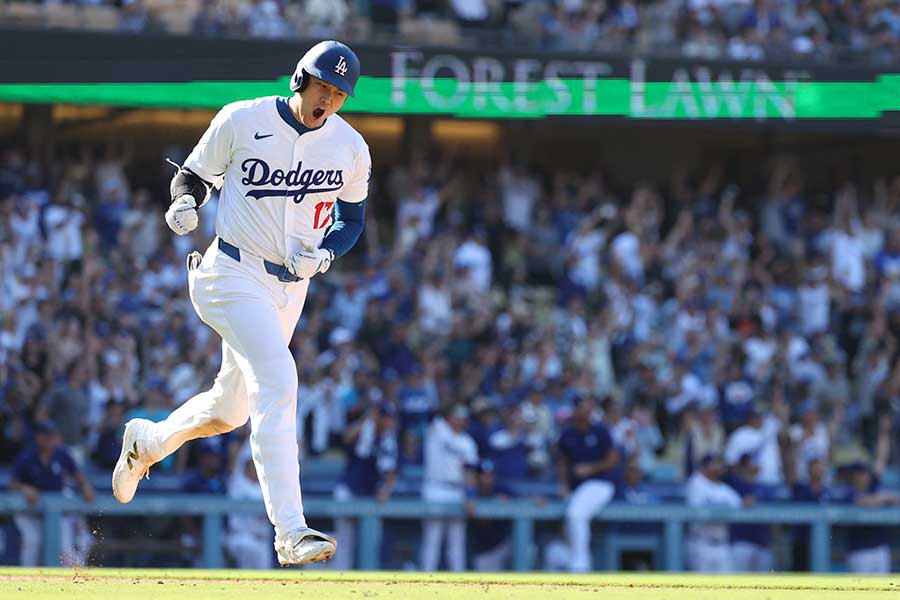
(349, 220)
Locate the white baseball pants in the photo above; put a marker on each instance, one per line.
(31, 535)
(433, 535)
(749, 557)
(250, 551)
(586, 501)
(345, 530)
(494, 560)
(709, 557)
(871, 560)
(256, 315)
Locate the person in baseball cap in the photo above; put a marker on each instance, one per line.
(330, 61)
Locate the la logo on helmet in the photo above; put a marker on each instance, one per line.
(341, 67)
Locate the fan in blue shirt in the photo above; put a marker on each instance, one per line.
(751, 542)
(813, 491)
(373, 458)
(634, 490)
(868, 548)
(490, 537)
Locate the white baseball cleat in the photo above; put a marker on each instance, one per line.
(134, 463)
(304, 545)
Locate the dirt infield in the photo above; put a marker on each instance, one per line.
(118, 584)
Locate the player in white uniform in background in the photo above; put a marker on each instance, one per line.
(708, 544)
(248, 535)
(293, 179)
(450, 456)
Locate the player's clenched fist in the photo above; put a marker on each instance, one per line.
(307, 261)
(182, 215)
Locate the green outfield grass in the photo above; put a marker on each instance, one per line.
(136, 584)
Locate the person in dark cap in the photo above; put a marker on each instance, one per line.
(46, 466)
(587, 459)
(708, 545)
(635, 491)
(751, 543)
(509, 447)
(812, 491)
(868, 548)
(371, 470)
(109, 439)
(491, 538)
(207, 478)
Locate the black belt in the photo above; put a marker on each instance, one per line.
(280, 271)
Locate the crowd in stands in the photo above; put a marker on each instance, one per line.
(699, 322)
(750, 30)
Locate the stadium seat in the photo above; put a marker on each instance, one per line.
(359, 27)
(63, 16)
(429, 31)
(175, 17)
(101, 18)
(24, 13)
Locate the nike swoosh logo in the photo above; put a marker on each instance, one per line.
(257, 136)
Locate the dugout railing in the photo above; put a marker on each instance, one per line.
(523, 514)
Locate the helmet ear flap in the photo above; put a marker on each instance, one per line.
(300, 81)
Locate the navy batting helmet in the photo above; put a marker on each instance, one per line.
(330, 61)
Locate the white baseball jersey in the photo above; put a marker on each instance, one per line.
(700, 491)
(762, 445)
(447, 454)
(279, 180)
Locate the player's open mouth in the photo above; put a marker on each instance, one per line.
(317, 113)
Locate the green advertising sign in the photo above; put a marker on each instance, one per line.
(471, 85)
(680, 99)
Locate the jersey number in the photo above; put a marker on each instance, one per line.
(323, 215)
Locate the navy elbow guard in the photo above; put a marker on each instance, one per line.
(186, 181)
(349, 220)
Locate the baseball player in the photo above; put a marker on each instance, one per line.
(869, 548)
(492, 538)
(751, 543)
(370, 471)
(293, 180)
(587, 461)
(815, 491)
(47, 466)
(708, 544)
(450, 456)
(248, 535)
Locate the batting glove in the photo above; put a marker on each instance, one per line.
(182, 215)
(307, 261)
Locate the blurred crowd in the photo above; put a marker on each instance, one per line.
(751, 30)
(701, 325)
